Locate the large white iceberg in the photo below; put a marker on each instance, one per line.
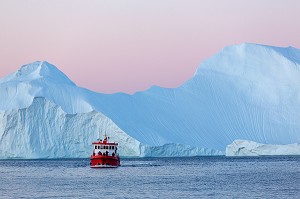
(250, 148)
(246, 91)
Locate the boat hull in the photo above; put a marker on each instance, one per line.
(103, 166)
(102, 161)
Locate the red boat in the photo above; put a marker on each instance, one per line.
(105, 154)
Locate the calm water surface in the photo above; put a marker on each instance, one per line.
(197, 177)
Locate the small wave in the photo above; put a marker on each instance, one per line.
(141, 165)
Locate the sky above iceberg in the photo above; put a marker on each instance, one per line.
(128, 45)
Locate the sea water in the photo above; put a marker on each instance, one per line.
(196, 177)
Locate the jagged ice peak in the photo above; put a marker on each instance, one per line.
(39, 70)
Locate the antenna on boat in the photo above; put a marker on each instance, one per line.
(98, 136)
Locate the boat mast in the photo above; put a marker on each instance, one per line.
(99, 138)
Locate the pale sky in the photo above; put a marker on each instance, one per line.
(129, 45)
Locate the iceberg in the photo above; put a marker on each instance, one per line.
(245, 92)
(250, 148)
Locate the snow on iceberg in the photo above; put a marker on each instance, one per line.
(250, 148)
(41, 79)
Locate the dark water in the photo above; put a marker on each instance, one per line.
(197, 177)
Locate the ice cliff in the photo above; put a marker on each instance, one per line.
(44, 130)
(250, 148)
(245, 91)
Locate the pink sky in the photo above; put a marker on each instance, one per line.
(128, 45)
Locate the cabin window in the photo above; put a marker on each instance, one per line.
(98, 147)
(112, 147)
(109, 147)
(106, 147)
(95, 147)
